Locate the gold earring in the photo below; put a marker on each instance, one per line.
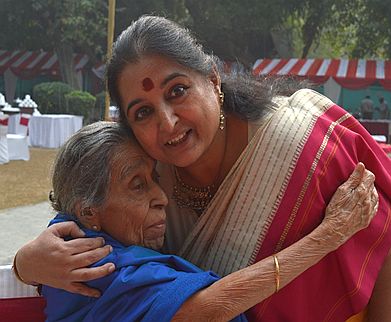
(95, 227)
(222, 116)
(221, 96)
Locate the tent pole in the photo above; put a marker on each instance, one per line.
(110, 37)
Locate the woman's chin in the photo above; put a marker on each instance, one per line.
(155, 244)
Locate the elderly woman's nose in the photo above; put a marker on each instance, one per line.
(167, 118)
(160, 199)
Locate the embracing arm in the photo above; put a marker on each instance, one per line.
(350, 210)
(50, 260)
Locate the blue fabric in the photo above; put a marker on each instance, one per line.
(146, 286)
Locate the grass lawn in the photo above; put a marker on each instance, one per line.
(26, 182)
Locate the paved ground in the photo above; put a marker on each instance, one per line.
(19, 225)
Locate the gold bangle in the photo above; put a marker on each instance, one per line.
(277, 272)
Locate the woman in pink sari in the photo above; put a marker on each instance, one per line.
(249, 166)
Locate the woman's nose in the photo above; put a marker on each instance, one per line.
(168, 118)
(159, 199)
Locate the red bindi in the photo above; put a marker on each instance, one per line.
(147, 84)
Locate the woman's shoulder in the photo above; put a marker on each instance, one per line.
(308, 99)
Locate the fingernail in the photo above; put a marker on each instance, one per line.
(96, 295)
(110, 248)
(102, 241)
(111, 268)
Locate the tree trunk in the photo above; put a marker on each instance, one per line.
(67, 68)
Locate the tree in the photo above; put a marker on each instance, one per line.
(60, 25)
(239, 30)
(231, 29)
(354, 29)
(242, 30)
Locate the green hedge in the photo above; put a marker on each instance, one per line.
(81, 103)
(50, 97)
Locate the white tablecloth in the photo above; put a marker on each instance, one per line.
(52, 130)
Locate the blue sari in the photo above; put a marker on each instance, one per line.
(146, 286)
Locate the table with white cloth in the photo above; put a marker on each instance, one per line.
(52, 130)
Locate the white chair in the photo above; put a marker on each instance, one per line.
(21, 126)
(18, 148)
(4, 157)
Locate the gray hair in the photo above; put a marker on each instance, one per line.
(82, 169)
(150, 35)
(245, 96)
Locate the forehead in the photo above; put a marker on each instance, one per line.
(152, 68)
(129, 158)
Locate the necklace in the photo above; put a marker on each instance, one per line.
(196, 198)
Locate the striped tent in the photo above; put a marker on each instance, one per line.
(353, 73)
(29, 64)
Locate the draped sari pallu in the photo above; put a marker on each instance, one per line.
(277, 193)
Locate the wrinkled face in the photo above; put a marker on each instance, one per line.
(172, 110)
(134, 211)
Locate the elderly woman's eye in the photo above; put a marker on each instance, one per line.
(137, 184)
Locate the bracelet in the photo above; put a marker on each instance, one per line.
(277, 272)
(16, 273)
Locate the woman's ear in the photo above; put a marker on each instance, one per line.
(89, 218)
(215, 78)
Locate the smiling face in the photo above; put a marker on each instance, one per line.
(134, 209)
(172, 110)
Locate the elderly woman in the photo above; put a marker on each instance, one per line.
(249, 166)
(125, 205)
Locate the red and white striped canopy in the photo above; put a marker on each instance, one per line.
(28, 64)
(353, 73)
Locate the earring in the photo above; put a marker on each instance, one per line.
(221, 96)
(222, 117)
(95, 227)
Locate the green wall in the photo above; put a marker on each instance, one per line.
(350, 99)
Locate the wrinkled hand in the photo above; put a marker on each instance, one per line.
(353, 205)
(50, 260)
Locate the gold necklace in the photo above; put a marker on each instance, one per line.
(196, 198)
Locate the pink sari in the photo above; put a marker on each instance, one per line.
(341, 284)
(277, 192)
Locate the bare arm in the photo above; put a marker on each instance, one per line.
(350, 210)
(50, 260)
